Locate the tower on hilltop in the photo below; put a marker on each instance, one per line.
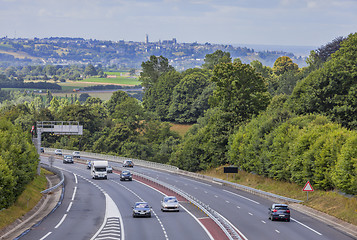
(146, 39)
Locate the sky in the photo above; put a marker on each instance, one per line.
(265, 22)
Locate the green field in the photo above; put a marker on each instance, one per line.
(118, 80)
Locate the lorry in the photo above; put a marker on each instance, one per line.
(99, 169)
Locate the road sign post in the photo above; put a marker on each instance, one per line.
(308, 188)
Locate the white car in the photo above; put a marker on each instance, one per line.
(58, 152)
(170, 203)
(76, 154)
(109, 169)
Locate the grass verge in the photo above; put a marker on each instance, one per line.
(26, 201)
(330, 202)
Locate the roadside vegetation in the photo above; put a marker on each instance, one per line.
(331, 202)
(284, 123)
(26, 201)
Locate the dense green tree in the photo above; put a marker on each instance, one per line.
(218, 57)
(115, 100)
(239, 91)
(184, 95)
(284, 64)
(331, 90)
(89, 71)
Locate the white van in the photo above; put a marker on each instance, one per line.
(99, 169)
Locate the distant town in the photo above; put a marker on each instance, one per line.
(123, 54)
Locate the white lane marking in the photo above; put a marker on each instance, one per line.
(234, 227)
(215, 196)
(75, 177)
(263, 222)
(227, 201)
(306, 226)
(238, 206)
(69, 206)
(277, 231)
(74, 193)
(45, 236)
(141, 199)
(198, 182)
(111, 210)
(60, 222)
(251, 214)
(199, 222)
(206, 192)
(242, 196)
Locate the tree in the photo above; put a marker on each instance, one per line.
(184, 95)
(284, 64)
(115, 100)
(332, 89)
(240, 91)
(152, 70)
(90, 70)
(83, 97)
(211, 60)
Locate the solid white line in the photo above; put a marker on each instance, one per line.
(306, 226)
(75, 177)
(251, 214)
(63, 218)
(69, 206)
(242, 197)
(74, 193)
(45, 236)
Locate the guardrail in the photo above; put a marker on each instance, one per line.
(222, 223)
(56, 171)
(174, 169)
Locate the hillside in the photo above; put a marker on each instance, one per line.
(65, 51)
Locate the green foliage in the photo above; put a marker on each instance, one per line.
(184, 96)
(331, 90)
(284, 64)
(283, 146)
(18, 162)
(239, 91)
(218, 57)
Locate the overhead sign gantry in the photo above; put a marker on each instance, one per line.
(57, 127)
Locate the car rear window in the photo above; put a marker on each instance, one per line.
(281, 207)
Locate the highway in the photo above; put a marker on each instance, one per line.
(102, 208)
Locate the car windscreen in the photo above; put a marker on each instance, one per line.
(281, 207)
(101, 169)
(142, 205)
(170, 200)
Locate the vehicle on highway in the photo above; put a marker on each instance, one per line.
(99, 169)
(128, 163)
(141, 209)
(89, 164)
(76, 154)
(67, 159)
(58, 152)
(109, 169)
(126, 175)
(170, 203)
(42, 150)
(279, 212)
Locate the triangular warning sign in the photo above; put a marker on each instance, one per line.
(308, 187)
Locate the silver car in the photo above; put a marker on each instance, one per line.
(170, 203)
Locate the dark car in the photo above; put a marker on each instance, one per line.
(42, 150)
(279, 212)
(128, 163)
(126, 175)
(67, 159)
(141, 209)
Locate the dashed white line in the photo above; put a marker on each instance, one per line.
(75, 177)
(69, 206)
(238, 206)
(251, 214)
(60, 222)
(198, 182)
(74, 193)
(263, 222)
(45, 236)
(277, 231)
(242, 197)
(216, 196)
(227, 201)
